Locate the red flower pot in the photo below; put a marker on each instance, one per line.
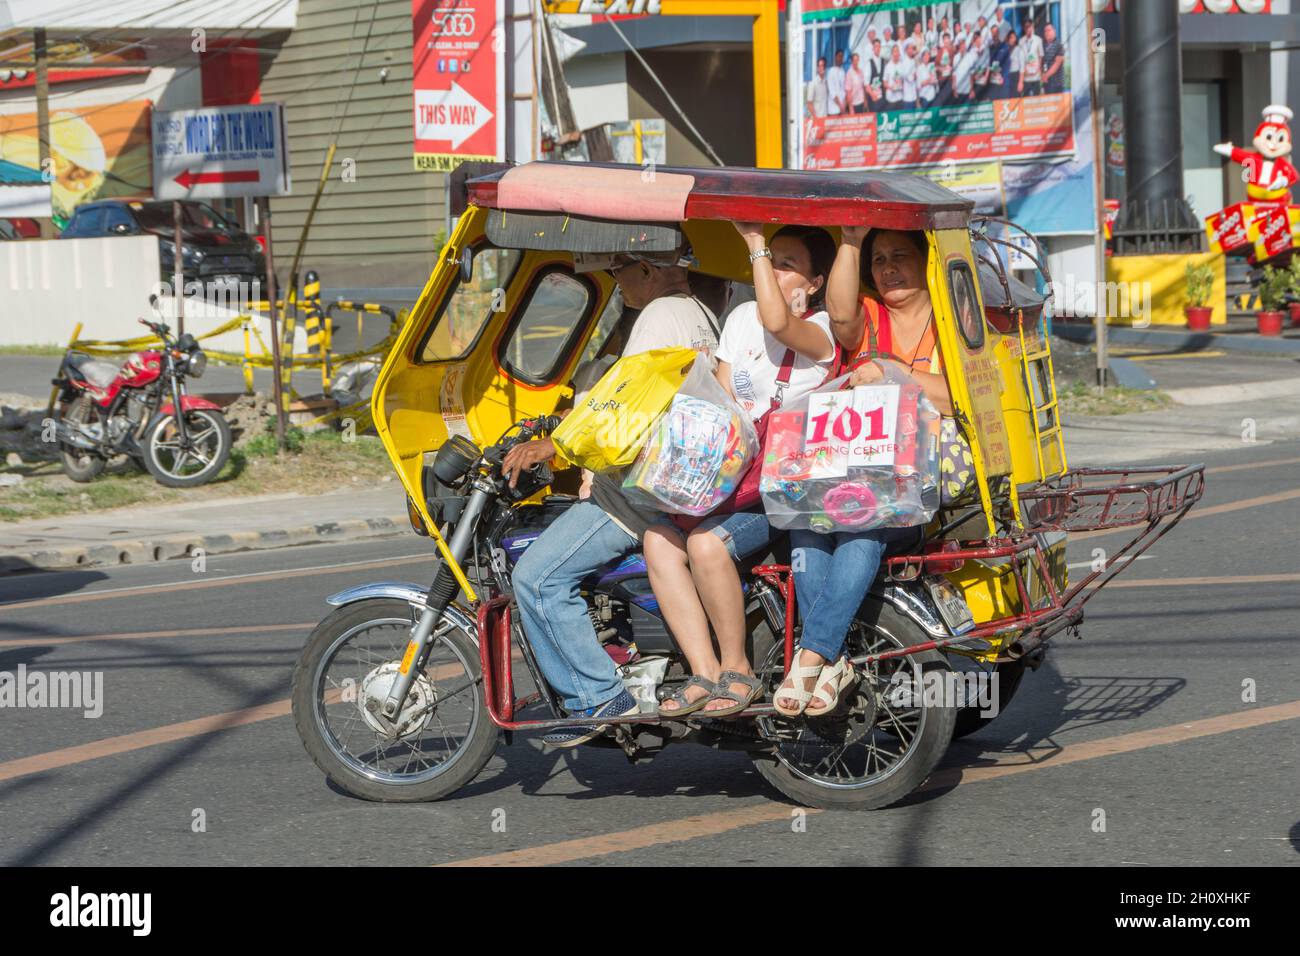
(1269, 323)
(1294, 308)
(1198, 318)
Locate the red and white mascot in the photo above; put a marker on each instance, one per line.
(1267, 172)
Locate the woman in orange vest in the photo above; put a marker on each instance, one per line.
(894, 322)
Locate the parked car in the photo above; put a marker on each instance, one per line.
(212, 248)
(19, 228)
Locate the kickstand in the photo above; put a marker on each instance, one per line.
(627, 742)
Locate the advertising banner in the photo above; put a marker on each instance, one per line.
(96, 152)
(459, 81)
(1000, 85)
(220, 152)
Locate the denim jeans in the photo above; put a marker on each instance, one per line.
(552, 611)
(834, 573)
(743, 532)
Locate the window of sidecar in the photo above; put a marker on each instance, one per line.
(545, 328)
(966, 309)
(466, 312)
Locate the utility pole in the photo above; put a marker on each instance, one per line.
(264, 207)
(178, 271)
(1097, 70)
(43, 123)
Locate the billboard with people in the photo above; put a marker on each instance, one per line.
(934, 83)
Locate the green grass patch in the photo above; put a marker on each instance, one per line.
(43, 351)
(1080, 398)
(321, 462)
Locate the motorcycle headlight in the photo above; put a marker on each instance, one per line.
(198, 362)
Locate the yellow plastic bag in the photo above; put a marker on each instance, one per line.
(608, 429)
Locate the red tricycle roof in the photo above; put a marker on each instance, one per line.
(617, 192)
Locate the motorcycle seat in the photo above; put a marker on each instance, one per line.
(98, 373)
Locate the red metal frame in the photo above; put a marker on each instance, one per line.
(1086, 499)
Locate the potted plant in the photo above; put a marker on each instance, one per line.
(1273, 290)
(1200, 288)
(1294, 305)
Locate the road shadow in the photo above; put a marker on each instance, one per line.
(22, 581)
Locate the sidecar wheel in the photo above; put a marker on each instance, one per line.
(873, 751)
(446, 735)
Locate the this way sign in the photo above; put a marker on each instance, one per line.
(453, 115)
(220, 152)
(459, 81)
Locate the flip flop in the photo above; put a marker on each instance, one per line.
(684, 706)
(722, 691)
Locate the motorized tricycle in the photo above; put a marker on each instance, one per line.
(403, 691)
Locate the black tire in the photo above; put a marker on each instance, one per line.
(79, 464)
(919, 757)
(309, 682)
(163, 465)
(969, 719)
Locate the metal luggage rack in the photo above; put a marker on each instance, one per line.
(1098, 499)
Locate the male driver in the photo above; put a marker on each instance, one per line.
(604, 527)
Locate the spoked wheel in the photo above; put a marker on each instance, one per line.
(196, 461)
(880, 743)
(441, 738)
(79, 464)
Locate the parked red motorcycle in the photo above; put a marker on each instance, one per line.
(101, 411)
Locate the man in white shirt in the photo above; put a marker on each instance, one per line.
(816, 98)
(931, 35)
(963, 74)
(603, 528)
(894, 81)
(909, 76)
(835, 86)
(1031, 53)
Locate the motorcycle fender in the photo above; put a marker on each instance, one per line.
(412, 594)
(189, 403)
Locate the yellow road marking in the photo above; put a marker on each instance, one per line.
(712, 824)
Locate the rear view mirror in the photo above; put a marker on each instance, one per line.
(467, 265)
(122, 229)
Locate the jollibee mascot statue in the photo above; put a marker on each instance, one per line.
(1267, 171)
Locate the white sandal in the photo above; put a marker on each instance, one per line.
(792, 688)
(840, 676)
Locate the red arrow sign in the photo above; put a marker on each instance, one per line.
(188, 178)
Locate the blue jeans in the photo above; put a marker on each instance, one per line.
(743, 532)
(552, 611)
(834, 573)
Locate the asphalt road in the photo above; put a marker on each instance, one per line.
(1142, 719)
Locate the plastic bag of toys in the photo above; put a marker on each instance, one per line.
(853, 459)
(697, 450)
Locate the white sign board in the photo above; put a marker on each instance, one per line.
(220, 152)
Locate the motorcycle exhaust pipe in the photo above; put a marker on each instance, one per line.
(74, 436)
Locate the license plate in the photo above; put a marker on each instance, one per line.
(952, 606)
(226, 278)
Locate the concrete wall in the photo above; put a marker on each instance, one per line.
(47, 287)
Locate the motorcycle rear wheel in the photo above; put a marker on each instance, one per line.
(337, 733)
(79, 464)
(871, 752)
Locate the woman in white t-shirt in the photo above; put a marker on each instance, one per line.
(694, 574)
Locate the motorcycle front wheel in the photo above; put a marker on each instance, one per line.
(194, 464)
(441, 738)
